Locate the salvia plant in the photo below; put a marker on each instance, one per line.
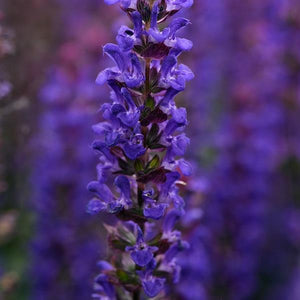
(141, 144)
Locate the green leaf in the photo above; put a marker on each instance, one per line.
(153, 133)
(119, 244)
(155, 241)
(126, 168)
(154, 163)
(127, 277)
(139, 165)
(150, 102)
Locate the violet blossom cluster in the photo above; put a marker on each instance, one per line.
(141, 144)
(237, 59)
(66, 243)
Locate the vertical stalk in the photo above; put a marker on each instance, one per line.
(147, 79)
(136, 294)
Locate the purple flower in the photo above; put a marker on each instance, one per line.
(141, 253)
(107, 201)
(153, 285)
(134, 147)
(128, 70)
(153, 209)
(104, 286)
(168, 35)
(173, 75)
(125, 38)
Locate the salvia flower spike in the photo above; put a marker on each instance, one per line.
(141, 143)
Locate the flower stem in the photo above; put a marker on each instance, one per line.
(136, 294)
(147, 75)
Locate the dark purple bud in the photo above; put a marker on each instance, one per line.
(155, 116)
(156, 176)
(154, 50)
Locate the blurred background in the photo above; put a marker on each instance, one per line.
(244, 111)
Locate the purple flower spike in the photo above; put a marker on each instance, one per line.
(141, 144)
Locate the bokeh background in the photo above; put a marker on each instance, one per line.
(244, 112)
